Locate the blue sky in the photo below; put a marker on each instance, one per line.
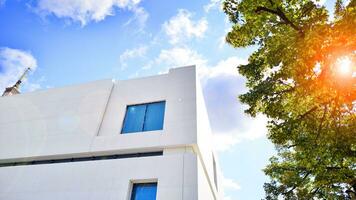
(75, 41)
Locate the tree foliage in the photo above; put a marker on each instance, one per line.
(293, 77)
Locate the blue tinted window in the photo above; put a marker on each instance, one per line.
(154, 116)
(134, 119)
(144, 117)
(144, 191)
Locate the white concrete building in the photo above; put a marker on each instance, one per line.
(142, 139)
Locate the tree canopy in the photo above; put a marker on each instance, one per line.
(302, 77)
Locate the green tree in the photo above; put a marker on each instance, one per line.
(299, 78)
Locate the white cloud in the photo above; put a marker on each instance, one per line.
(2, 2)
(130, 54)
(226, 67)
(176, 57)
(179, 57)
(13, 62)
(221, 86)
(33, 87)
(255, 128)
(212, 5)
(140, 16)
(181, 27)
(230, 184)
(84, 11)
(224, 142)
(34, 84)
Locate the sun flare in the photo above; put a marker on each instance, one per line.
(344, 65)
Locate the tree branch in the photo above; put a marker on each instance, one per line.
(315, 191)
(307, 9)
(295, 186)
(312, 109)
(292, 145)
(280, 14)
(284, 91)
(321, 125)
(307, 112)
(271, 2)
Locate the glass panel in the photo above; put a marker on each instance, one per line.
(144, 191)
(154, 116)
(134, 118)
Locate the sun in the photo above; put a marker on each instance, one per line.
(344, 66)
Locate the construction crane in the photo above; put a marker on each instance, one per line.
(9, 91)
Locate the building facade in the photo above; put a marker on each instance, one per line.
(139, 139)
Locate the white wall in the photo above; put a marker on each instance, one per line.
(101, 180)
(176, 88)
(52, 122)
(205, 151)
(87, 119)
(63, 121)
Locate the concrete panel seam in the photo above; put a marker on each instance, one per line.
(105, 109)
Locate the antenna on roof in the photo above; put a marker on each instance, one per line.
(9, 91)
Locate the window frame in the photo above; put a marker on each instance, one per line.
(215, 173)
(145, 116)
(141, 181)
